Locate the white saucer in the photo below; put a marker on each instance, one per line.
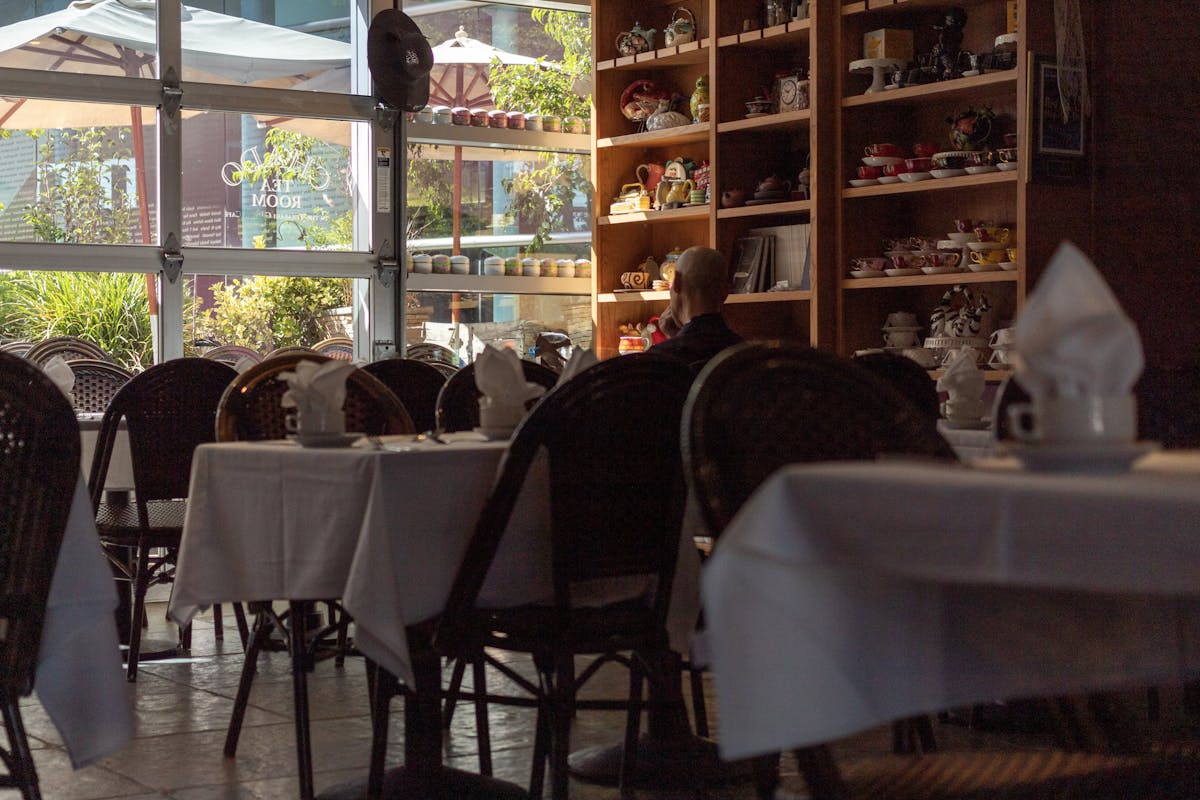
(866, 273)
(900, 273)
(947, 173)
(966, 424)
(983, 267)
(1096, 458)
(940, 270)
(1007, 165)
(979, 169)
(900, 328)
(1008, 266)
(961, 238)
(495, 434)
(326, 439)
(913, 177)
(857, 182)
(881, 161)
(889, 179)
(986, 245)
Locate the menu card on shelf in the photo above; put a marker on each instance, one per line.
(790, 260)
(748, 254)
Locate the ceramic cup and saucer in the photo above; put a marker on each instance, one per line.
(320, 429)
(1092, 434)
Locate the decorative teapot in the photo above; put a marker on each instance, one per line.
(971, 129)
(634, 41)
(649, 175)
(665, 118)
(677, 169)
(672, 194)
(682, 29)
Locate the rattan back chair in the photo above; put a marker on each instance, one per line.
(168, 410)
(430, 351)
(905, 375)
(39, 469)
(69, 347)
(458, 403)
(19, 349)
(233, 354)
(339, 347)
(96, 383)
(416, 383)
(607, 523)
(252, 411)
(291, 350)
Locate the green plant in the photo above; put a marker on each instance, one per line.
(544, 88)
(542, 197)
(108, 309)
(267, 312)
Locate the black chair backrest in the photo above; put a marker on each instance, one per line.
(757, 407)
(231, 354)
(416, 383)
(616, 481)
(96, 383)
(458, 403)
(252, 409)
(169, 410)
(69, 347)
(39, 469)
(16, 348)
(907, 376)
(429, 351)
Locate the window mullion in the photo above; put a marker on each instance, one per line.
(169, 334)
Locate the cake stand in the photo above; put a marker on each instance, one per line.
(879, 67)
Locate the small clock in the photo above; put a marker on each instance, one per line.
(792, 93)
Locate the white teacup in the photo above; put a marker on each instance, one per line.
(972, 409)
(901, 338)
(1002, 337)
(901, 319)
(316, 421)
(1093, 419)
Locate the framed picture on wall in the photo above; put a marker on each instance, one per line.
(1058, 124)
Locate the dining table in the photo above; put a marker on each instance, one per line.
(383, 526)
(848, 595)
(80, 680)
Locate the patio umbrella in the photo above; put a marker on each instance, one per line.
(460, 71)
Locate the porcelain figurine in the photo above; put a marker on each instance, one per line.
(699, 97)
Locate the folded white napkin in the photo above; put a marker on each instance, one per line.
(962, 379)
(499, 376)
(317, 390)
(1072, 338)
(579, 361)
(59, 371)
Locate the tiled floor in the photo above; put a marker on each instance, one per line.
(182, 711)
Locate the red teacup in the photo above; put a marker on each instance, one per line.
(895, 169)
(924, 149)
(868, 173)
(918, 164)
(883, 150)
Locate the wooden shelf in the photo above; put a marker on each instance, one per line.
(787, 207)
(891, 7)
(770, 122)
(497, 284)
(689, 53)
(971, 87)
(931, 280)
(670, 215)
(933, 184)
(631, 297)
(749, 297)
(684, 134)
(470, 136)
(775, 37)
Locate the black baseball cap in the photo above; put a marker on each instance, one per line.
(400, 59)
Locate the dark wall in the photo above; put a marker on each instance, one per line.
(1146, 198)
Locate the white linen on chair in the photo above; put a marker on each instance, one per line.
(79, 678)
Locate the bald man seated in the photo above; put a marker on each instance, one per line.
(697, 295)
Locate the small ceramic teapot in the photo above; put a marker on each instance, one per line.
(677, 169)
(773, 184)
(682, 28)
(672, 194)
(649, 175)
(636, 40)
(665, 118)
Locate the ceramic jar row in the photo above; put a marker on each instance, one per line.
(530, 267)
(495, 118)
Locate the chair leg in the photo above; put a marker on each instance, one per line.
(301, 666)
(483, 736)
(821, 773)
(141, 582)
(22, 766)
(699, 709)
(766, 775)
(541, 744)
(560, 738)
(218, 623)
(383, 686)
(239, 614)
(633, 723)
(262, 630)
(453, 691)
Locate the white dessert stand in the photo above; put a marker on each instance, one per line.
(879, 68)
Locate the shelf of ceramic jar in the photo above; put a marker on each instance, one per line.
(886, 8)
(932, 184)
(971, 89)
(503, 138)
(749, 297)
(497, 284)
(681, 134)
(947, 279)
(783, 36)
(676, 55)
(666, 215)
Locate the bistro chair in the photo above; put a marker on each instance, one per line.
(39, 469)
(458, 403)
(607, 523)
(430, 351)
(251, 410)
(169, 410)
(416, 383)
(339, 347)
(69, 347)
(96, 383)
(291, 350)
(233, 354)
(905, 375)
(19, 349)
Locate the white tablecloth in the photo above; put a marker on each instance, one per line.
(383, 530)
(847, 595)
(80, 680)
(120, 466)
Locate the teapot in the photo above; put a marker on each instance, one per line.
(773, 184)
(677, 169)
(649, 175)
(682, 29)
(672, 194)
(636, 40)
(665, 118)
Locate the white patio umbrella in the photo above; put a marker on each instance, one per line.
(460, 71)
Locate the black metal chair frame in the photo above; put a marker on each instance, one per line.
(96, 383)
(69, 347)
(39, 469)
(416, 383)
